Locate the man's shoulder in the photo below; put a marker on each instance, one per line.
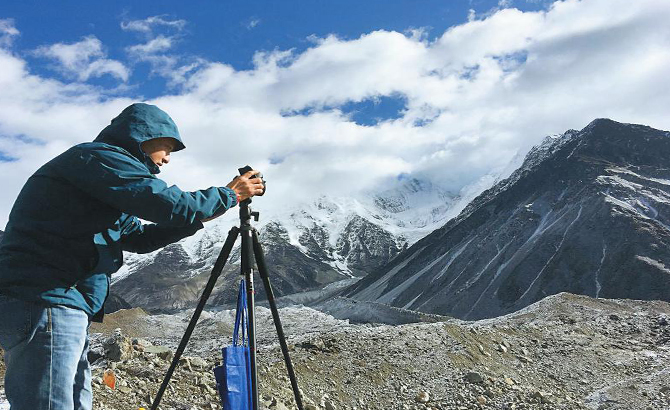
(100, 151)
(94, 155)
(99, 147)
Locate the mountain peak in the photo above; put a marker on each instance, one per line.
(619, 143)
(601, 123)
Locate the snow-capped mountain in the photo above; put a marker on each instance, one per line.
(306, 247)
(588, 212)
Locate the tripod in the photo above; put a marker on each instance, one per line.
(250, 246)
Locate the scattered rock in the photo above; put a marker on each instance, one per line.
(474, 377)
(124, 389)
(199, 363)
(542, 397)
(525, 359)
(117, 347)
(162, 352)
(422, 397)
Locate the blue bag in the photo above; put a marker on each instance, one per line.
(233, 378)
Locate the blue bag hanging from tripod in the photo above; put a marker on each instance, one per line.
(233, 377)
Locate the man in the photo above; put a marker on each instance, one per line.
(65, 237)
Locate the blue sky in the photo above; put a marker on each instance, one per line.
(335, 98)
(226, 31)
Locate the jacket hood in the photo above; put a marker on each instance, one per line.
(137, 123)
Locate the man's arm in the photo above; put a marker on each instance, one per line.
(144, 238)
(122, 182)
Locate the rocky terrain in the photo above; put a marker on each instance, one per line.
(588, 212)
(564, 352)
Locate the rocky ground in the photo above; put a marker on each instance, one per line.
(564, 352)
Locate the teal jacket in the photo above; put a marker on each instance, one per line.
(77, 213)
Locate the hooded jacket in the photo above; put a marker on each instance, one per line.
(77, 214)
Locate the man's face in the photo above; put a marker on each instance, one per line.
(159, 149)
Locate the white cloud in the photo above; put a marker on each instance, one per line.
(83, 60)
(156, 48)
(7, 32)
(486, 89)
(156, 45)
(148, 25)
(175, 69)
(252, 23)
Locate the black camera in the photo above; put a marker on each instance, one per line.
(248, 168)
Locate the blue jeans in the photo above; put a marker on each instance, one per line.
(46, 356)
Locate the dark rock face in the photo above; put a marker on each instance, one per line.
(588, 213)
(166, 283)
(366, 246)
(1, 235)
(174, 281)
(115, 303)
(292, 270)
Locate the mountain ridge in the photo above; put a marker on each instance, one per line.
(306, 247)
(536, 232)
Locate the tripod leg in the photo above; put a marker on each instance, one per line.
(216, 271)
(263, 271)
(246, 265)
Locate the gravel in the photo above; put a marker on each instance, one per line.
(564, 352)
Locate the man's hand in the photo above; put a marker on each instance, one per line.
(246, 185)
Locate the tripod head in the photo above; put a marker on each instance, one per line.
(248, 168)
(245, 211)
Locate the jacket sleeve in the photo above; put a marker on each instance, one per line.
(122, 182)
(137, 237)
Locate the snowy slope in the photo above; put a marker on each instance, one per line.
(306, 245)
